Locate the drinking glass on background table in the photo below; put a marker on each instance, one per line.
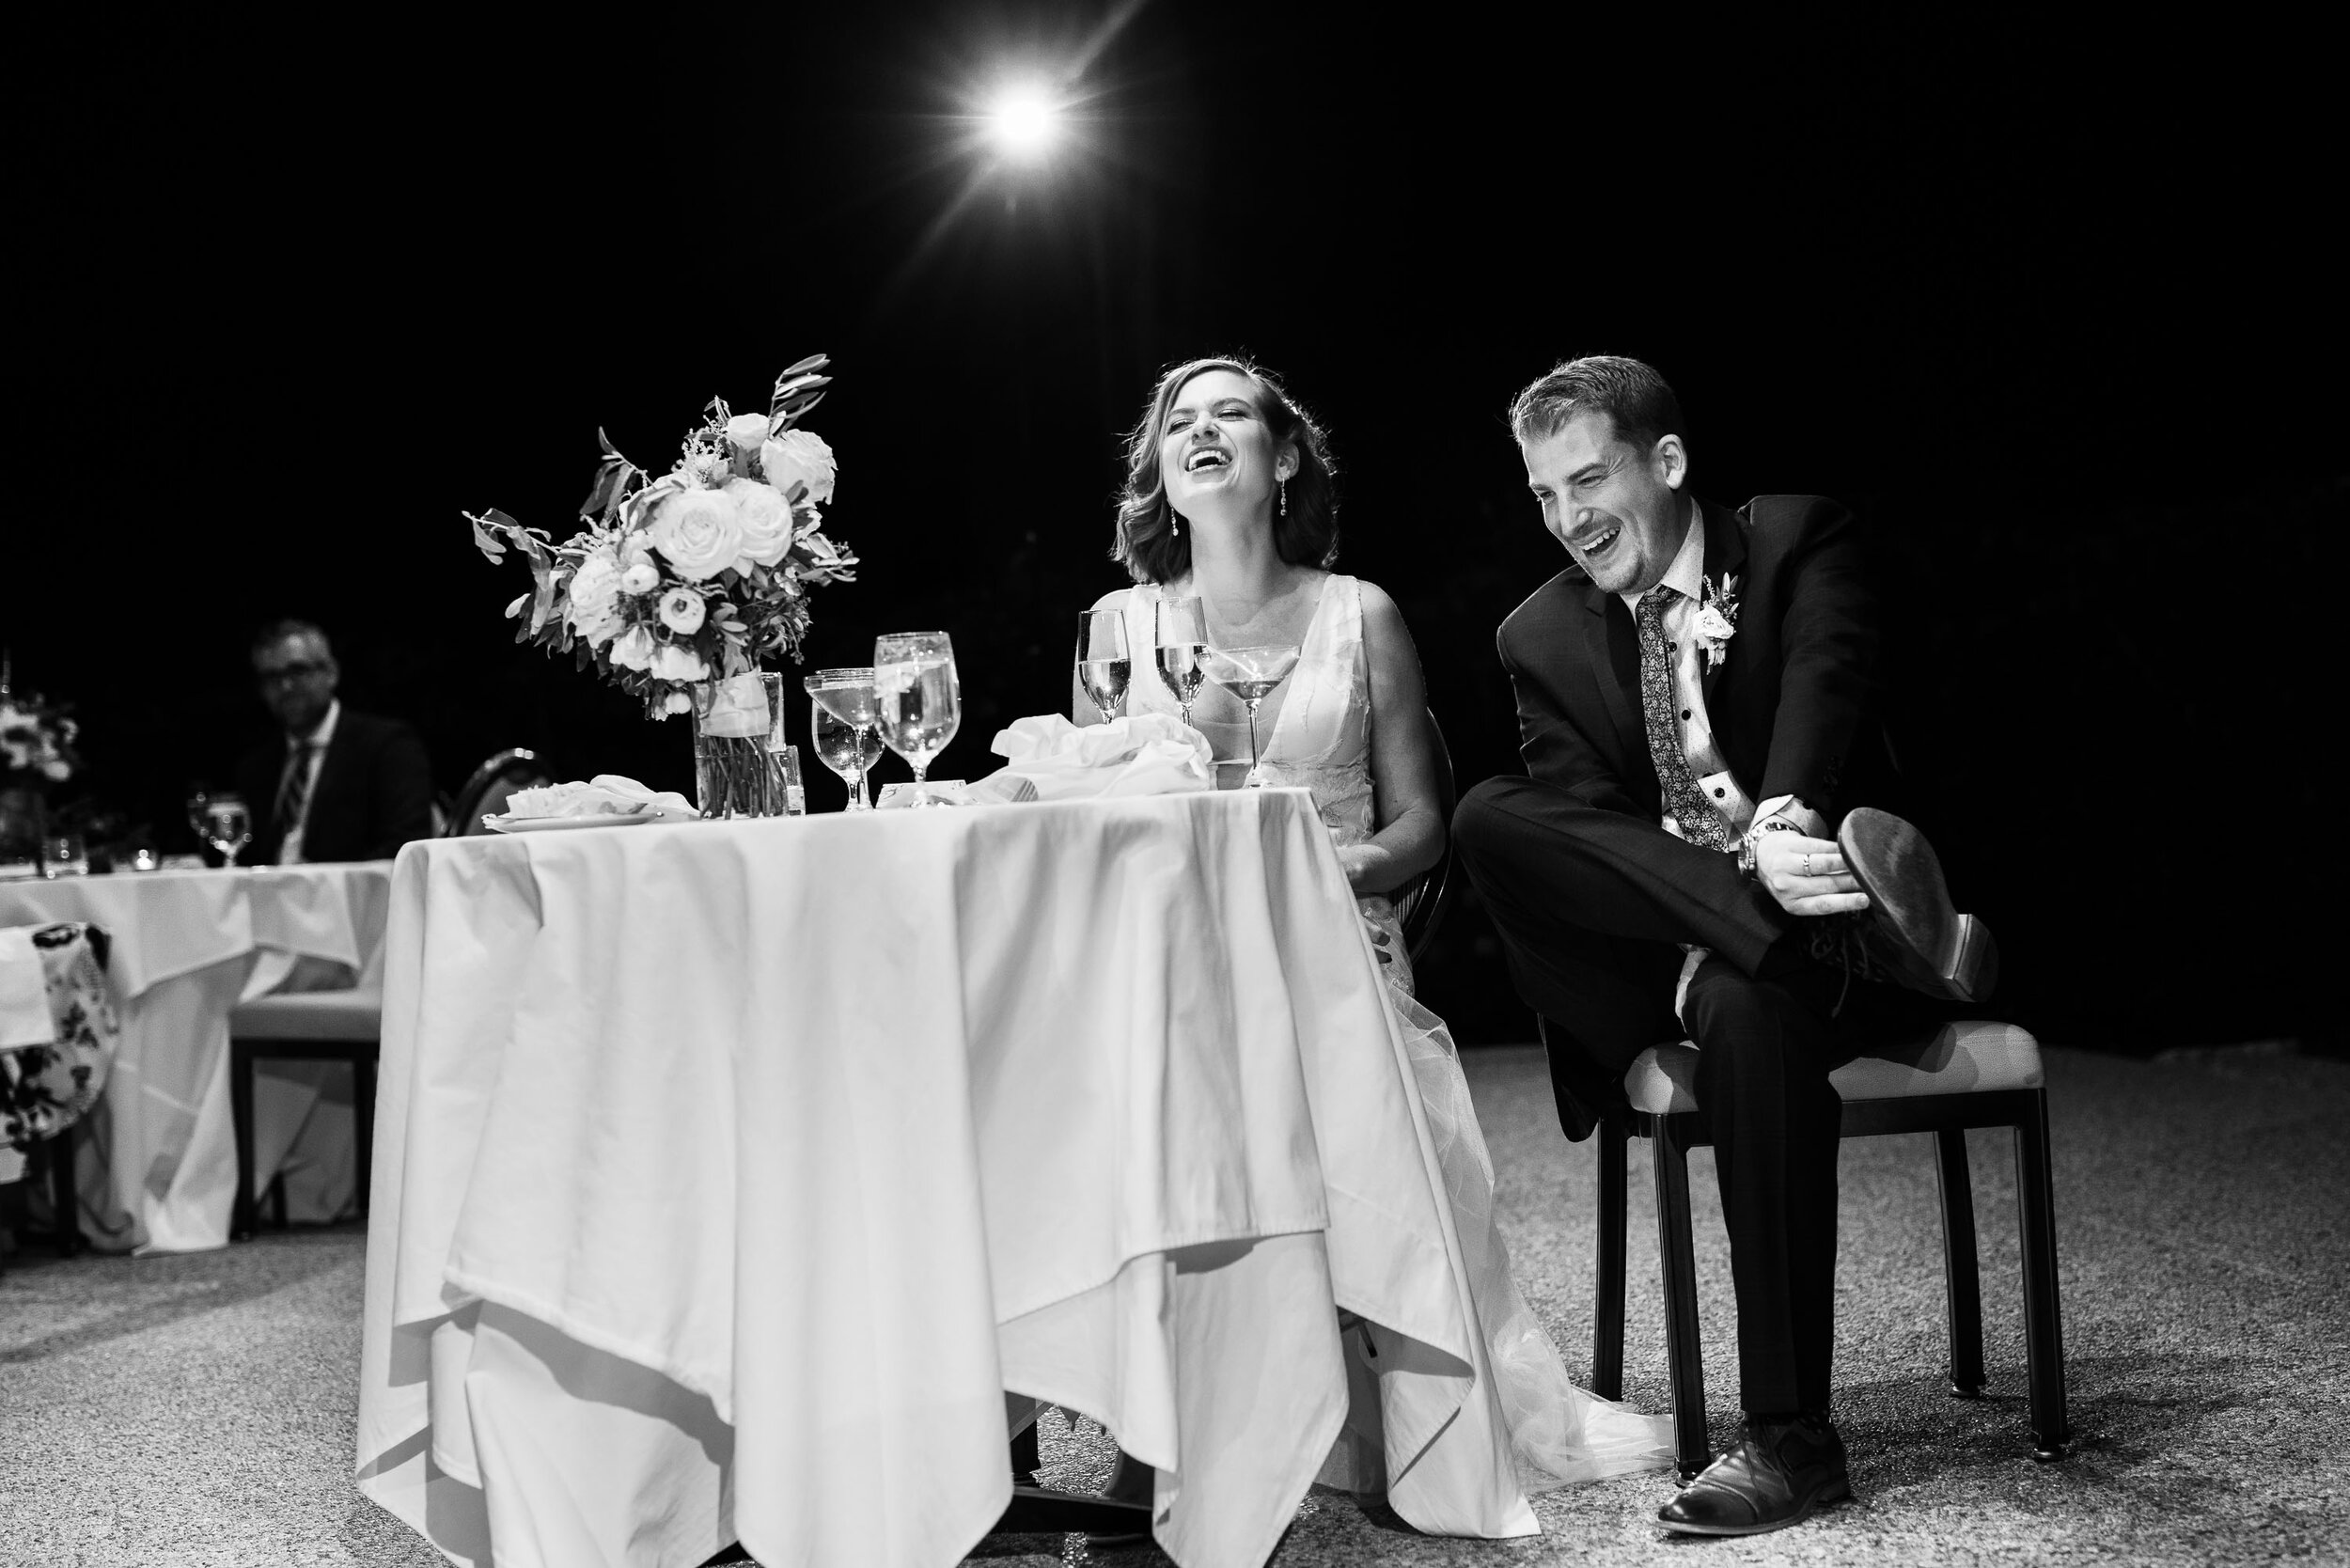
(1103, 668)
(921, 699)
(63, 854)
(227, 827)
(1183, 638)
(845, 714)
(1250, 674)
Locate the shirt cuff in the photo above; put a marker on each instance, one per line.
(1790, 811)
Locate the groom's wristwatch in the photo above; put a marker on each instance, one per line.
(1754, 837)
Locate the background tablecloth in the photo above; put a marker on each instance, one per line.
(727, 1174)
(157, 1158)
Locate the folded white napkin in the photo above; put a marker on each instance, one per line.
(1143, 754)
(607, 794)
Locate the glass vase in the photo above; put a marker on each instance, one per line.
(738, 766)
(23, 822)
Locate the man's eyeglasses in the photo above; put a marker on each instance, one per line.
(304, 670)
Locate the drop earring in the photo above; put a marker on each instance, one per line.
(1174, 523)
(1285, 497)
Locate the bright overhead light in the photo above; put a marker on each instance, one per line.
(1023, 123)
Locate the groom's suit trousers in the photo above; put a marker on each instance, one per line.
(1592, 906)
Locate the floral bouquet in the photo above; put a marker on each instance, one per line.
(36, 738)
(698, 574)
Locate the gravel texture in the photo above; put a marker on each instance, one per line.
(199, 1410)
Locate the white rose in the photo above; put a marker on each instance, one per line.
(671, 662)
(681, 611)
(633, 649)
(641, 577)
(765, 519)
(798, 455)
(747, 431)
(1714, 625)
(595, 592)
(698, 533)
(676, 702)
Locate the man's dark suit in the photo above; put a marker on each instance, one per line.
(1593, 898)
(374, 793)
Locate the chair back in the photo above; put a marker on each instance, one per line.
(488, 788)
(1421, 904)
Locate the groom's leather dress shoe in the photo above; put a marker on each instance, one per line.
(1910, 933)
(1779, 1473)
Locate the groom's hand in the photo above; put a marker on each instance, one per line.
(1808, 876)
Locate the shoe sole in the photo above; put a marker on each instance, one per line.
(1954, 955)
(1829, 1495)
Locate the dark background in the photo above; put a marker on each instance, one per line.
(2057, 312)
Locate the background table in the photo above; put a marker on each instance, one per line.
(727, 1175)
(158, 1154)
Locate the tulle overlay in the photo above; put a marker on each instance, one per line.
(1559, 1433)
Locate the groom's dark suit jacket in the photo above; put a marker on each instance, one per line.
(1792, 705)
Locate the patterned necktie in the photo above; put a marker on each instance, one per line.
(1685, 802)
(294, 793)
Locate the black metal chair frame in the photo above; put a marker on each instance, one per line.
(53, 1156)
(362, 1054)
(468, 802)
(1948, 1117)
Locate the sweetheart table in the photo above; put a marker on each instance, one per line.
(158, 1152)
(728, 1175)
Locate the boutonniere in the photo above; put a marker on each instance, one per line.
(1717, 616)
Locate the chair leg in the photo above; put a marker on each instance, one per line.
(1024, 1457)
(242, 1217)
(1607, 1291)
(1961, 1274)
(363, 1122)
(1677, 1251)
(2044, 1327)
(65, 1203)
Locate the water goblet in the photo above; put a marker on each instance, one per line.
(1250, 674)
(846, 712)
(1182, 627)
(227, 827)
(1103, 668)
(921, 699)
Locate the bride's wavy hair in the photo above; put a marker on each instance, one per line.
(1147, 544)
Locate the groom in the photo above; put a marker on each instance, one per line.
(1692, 856)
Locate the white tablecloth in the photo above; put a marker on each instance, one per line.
(727, 1175)
(159, 1153)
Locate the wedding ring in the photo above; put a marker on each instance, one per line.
(1807, 865)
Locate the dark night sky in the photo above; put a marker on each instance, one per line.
(2047, 308)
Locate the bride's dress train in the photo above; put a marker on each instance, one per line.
(1559, 1433)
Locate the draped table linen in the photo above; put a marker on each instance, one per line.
(729, 1174)
(160, 1156)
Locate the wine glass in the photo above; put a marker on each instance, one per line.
(1250, 674)
(227, 827)
(921, 699)
(1183, 638)
(1102, 666)
(846, 713)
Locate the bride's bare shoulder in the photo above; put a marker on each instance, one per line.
(1380, 613)
(1114, 600)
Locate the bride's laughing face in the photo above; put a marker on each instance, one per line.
(1216, 454)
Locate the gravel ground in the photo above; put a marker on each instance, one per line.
(199, 1410)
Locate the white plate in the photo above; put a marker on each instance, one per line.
(559, 824)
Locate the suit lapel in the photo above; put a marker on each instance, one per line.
(1725, 557)
(1612, 644)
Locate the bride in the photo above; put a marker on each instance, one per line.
(1228, 499)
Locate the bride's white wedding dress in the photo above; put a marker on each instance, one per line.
(1320, 741)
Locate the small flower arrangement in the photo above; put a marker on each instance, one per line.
(697, 574)
(36, 738)
(1717, 618)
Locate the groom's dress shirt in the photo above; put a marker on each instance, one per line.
(307, 753)
(1687, 577)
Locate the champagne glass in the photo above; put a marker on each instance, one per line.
(1182, 639)
(227, 827)
(197, 797)
(1250, 674)
(846, 713)
(1102, 666)
(921, 699)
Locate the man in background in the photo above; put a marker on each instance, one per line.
(335, 784)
